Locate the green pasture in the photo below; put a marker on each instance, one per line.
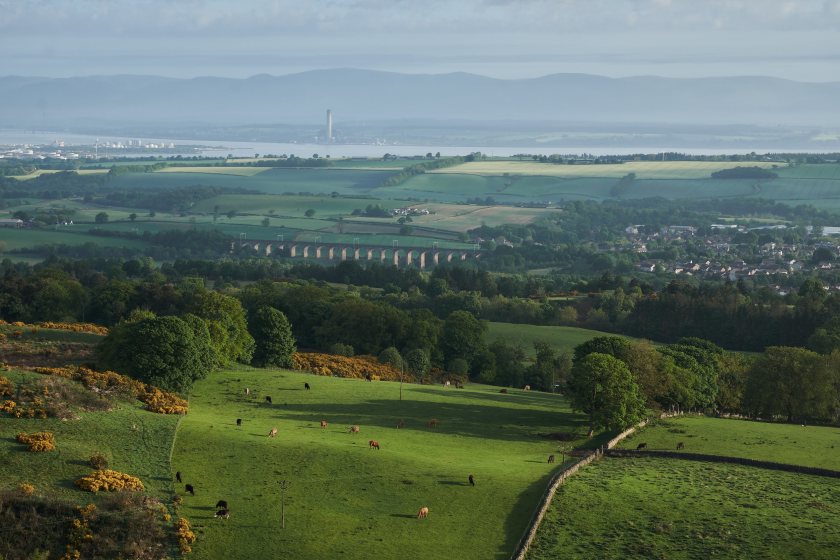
(217, 169)
(51, 335)
(659, 508)
(642, 169)
(63, 235)
(269, 181)
(133, 440)
(288, 205)
(810, 446)
(348, 501)
(563, 339)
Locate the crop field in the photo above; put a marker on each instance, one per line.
(810, 446)
(563, 339)
(660, 508)
(345, 500)
(133, 440)
(454, 217)
(642, 169)
(289, 205)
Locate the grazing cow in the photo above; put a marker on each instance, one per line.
(306, 386)
(368, 377)
(446, 383)
(680, 445)
(504, 391)
(247, 391)
(373, 444)
(223, 514)
(178, 476)
(401, 423)
(239, 421)
(189, 488)
(527, 387)
(221, 504)
(472, 480)
(273, 432)
(354, 429)
(551, 458)
(641, 446)
(432, 423)
(323, 423)
(268, 399)
(423, 513)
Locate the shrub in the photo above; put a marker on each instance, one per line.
(26, 489)
(7, 388)
(185, 535)
(98, 461)
(341, 349)
(37, 441)
(163, 402)
(109, 481)
(391, 356)
(340, 366)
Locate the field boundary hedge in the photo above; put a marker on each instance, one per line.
(771, 465)
(557, 480)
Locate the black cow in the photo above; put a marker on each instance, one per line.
(472, 480)
(306, 386)
(221, 504)
(239, 421)
(551, 458)
(223, 513)
(178, 476)
(189, 488)
(268, 399)
(641, 446)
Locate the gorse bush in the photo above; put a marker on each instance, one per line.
(38, 442)
(341, 366)
(109, 481)
(185, 535)
(98, 461)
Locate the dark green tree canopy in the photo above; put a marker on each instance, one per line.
(274, 343)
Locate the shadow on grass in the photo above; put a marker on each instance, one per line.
(403, 515)
(453, 483)
(462, 419)
(521, 514)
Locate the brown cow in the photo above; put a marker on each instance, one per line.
(423, 513)
(432, 423)
(680, 445)
(373, 444)
(354, 429)
(323, 423)
(273, 432)
(401, 423)
(551, 458)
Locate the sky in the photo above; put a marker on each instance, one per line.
(798, 40)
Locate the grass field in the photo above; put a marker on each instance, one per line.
(348, 501)
(642, 169)
(563, 339)
(40, 172)
(811, 446)
(222, 170)
(142, 451)
(658, 508)
(29, 238)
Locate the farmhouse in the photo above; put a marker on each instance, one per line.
(11, 223)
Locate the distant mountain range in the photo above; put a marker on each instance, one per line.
(363, 96)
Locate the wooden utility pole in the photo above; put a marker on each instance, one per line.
(284, 485)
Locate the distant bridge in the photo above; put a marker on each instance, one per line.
(399, 257)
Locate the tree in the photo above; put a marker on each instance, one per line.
(274, 343)
(615, 346)
(603, 387)
(266, 222)
(101, 218)
(161, 351)
(309, 213)
(132, 216)
(462, 337)
(418, 362)
(227, 324)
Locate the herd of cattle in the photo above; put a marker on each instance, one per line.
(223, 511)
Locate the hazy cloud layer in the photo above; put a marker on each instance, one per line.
(505, 38)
